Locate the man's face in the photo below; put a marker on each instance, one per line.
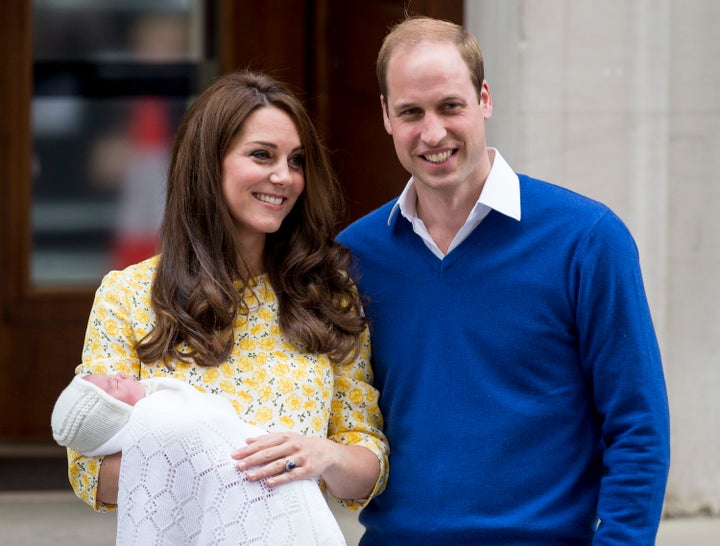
(436, 118)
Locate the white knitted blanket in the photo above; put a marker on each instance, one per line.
(179, 485)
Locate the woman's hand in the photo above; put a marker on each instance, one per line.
(286, 456)
(350, 472)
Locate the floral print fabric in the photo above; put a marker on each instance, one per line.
(269, 380)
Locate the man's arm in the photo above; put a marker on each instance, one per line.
(620, 354)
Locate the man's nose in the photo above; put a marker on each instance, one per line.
(433, 130)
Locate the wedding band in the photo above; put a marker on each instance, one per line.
(289, 465)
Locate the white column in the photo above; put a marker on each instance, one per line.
(693, 348)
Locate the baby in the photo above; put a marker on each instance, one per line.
(93, 409)
(178, 481)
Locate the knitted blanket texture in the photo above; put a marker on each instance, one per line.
(179, 485)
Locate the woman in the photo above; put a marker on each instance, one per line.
(250, 297)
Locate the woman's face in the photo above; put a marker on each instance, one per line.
(263, 175)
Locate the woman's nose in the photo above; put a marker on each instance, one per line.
(281, 175)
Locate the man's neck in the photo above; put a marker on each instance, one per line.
(443, 218)
(445, 213)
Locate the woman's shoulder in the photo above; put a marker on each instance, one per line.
(139, 274)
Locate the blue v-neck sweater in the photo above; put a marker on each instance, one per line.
(520, 379)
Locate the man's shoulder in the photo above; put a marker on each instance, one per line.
(556, 207)
(367, 225)
(543, 194)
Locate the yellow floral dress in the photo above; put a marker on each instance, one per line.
(270, 382)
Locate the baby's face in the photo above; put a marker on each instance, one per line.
(120, 386)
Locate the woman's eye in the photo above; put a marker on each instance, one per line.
(260, 154)
(297, 161)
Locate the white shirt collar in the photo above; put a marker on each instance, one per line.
(501, 192)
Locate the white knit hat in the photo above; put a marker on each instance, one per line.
(85, 416)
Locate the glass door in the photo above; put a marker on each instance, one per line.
(111, 81)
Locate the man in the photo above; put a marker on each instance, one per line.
(520, 376)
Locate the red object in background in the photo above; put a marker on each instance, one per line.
(133, 249)
(149, 124)
(142, 197)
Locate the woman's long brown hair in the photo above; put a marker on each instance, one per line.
(195, 294)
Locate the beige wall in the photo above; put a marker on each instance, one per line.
(619, 100)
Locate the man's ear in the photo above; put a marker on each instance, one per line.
(486, 101)
(386, 119)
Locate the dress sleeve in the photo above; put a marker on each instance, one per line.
(355, 417)
(108, 348)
